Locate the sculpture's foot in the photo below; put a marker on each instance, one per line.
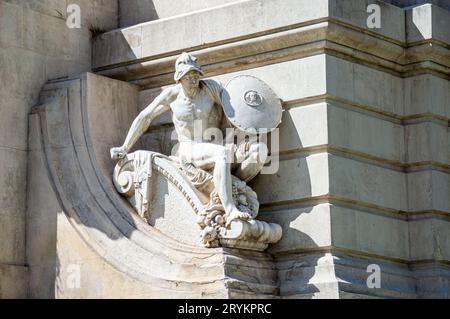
(236, 215)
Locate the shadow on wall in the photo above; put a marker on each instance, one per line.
(133, 12)
(408, 3)
(420, 28)
(70, 170)
(136, 11)
(292, 182)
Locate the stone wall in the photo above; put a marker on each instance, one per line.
(410, 3)
(364, 171)
(137, 11)
(35, 46)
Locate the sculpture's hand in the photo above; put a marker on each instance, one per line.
(118, 153)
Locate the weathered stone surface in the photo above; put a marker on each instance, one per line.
(430, 241)
(396, 280)
(241, 19)
(11, 19)
(433, 280)
(12, 228)
(13, 182)
(300, 177)
(35, 46)
(304, 127)
(361, 132)
(308, 275)
(427, 94)
(13, 282)
(300, 227)
(366, 86)
(426, 188)
(418, 137)
(408, 3)
(370, 232)
(387, 188)
(13, 120)
(138, 11)
(355, 13)
(249, 22)
(427, 22)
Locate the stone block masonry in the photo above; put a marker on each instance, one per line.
(35, 46)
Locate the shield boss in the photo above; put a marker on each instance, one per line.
(250, 104)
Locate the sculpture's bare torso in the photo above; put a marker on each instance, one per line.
(198, 112)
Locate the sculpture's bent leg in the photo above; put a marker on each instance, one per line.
(204, 155)
(254, 161)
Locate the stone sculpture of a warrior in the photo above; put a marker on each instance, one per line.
(218, 169)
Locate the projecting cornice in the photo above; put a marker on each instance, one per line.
(252, 33)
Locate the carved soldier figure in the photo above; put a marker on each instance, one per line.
(196, 106)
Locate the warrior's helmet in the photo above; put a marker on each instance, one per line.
(185, 63)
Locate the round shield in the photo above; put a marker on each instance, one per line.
(250, 104)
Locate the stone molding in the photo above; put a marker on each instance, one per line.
(325, 33)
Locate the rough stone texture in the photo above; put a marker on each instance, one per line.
(13, 282)
(35, 46)
(427, 22)
(410, 3)
(137, 11)
(242, 20)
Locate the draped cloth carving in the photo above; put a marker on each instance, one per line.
(133, 179)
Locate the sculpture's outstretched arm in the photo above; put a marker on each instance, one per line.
(160, 105)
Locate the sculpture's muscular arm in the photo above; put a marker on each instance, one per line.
(160, 105)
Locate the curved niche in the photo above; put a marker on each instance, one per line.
(72, 130)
